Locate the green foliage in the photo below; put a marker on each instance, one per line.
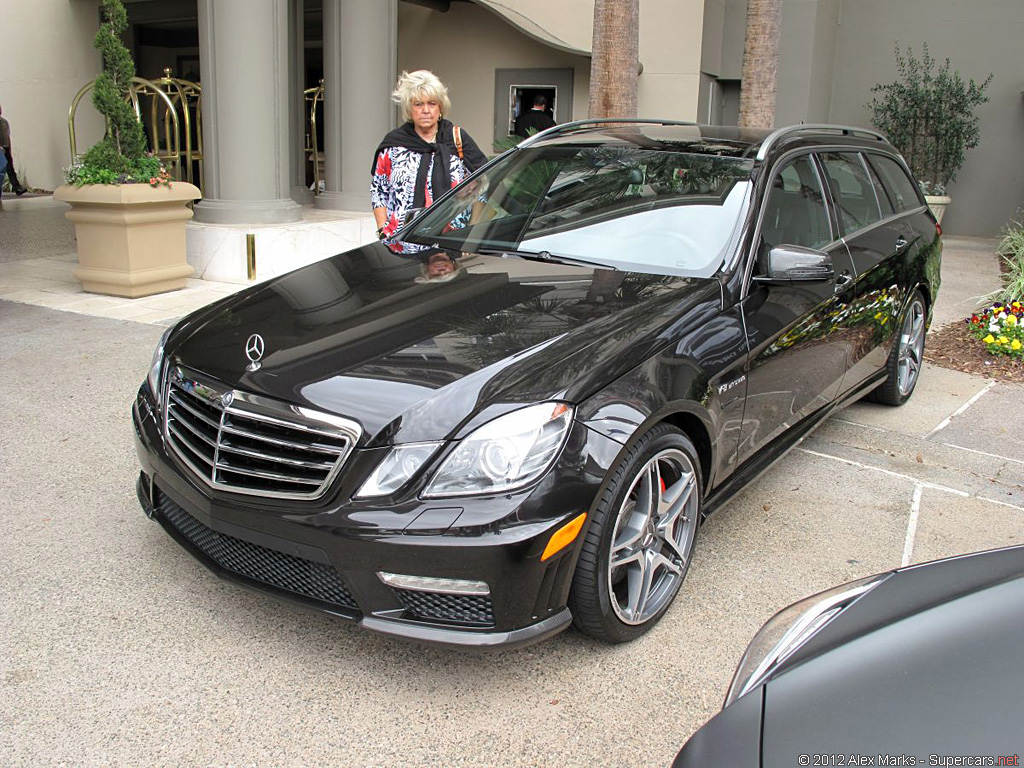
(143, 170)
(1011, 250)
(929, 115)
(120, 157)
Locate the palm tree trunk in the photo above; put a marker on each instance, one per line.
(616, 57)
(760, 64)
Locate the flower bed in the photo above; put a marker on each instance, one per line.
(1001, 329)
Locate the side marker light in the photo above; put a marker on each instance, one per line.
(564, 536)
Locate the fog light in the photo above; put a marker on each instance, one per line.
(431, 584)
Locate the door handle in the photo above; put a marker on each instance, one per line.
(843, 281)
(901, 243)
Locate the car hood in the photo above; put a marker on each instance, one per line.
(364, 335)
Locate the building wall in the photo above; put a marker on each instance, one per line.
(464, 46)
(979, 38)
(47, 57)
(833, 51)
(807, 48)
(670, 50)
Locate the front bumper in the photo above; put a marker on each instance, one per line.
(326, 555)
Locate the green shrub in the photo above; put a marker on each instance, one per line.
(1011, 251)
(929, 116)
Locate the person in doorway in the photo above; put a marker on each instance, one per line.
(5, 143)
(536, 120)
(420, 160)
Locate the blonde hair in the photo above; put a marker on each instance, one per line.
(421, 84)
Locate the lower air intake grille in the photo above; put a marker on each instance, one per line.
(468, 610)
(267, 566)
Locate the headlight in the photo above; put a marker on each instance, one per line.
(156, 367)
(398, 466)
(789, 629)
(511, 451)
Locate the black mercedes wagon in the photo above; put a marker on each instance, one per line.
(524, 427)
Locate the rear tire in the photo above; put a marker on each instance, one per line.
(906, 358)
(640, 539)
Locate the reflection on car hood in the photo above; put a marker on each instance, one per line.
(363, 335)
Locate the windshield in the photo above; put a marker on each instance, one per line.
(642, 210)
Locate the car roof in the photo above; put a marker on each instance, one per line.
(672, 135)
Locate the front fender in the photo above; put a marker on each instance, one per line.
(697, 384)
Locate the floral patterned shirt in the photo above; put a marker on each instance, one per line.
(393, 185)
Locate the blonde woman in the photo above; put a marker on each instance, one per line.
(419, 161)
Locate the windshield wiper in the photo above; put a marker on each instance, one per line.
(547, 256)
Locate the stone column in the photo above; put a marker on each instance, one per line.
(359, 75)
(243, 48)
(298, 109)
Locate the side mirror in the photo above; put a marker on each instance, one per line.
(794, 263)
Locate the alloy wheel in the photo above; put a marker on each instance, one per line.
(911, 347)
(653, 537)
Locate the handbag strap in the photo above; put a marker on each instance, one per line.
(457, 132)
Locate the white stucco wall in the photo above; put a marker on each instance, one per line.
(47, 57)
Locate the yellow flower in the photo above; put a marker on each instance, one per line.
(1003, 340)
(990, 339)
(1011, 320)
(1015, 344)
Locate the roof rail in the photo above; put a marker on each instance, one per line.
(577, 124)
(843, 130)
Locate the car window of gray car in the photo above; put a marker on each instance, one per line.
(795, 212)
(902, 187)
(852, 191)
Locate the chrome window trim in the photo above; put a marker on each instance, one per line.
(256, 407)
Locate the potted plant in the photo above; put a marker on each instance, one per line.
(129, 215)
(929, 116)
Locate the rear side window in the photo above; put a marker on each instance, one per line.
(852, 190)
(902, 187)
(884, 201)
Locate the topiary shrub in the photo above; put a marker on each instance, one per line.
(120, 157)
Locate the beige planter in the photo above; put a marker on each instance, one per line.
(131, 237)
(938, 205)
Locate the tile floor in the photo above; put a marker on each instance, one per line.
(38, 259)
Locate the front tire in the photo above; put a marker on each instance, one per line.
(638, 546)
(906, 358)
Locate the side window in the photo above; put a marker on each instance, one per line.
(851, 190)
(795, 211)
(902, 187)
(884, 201)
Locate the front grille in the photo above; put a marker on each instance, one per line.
(248, 444)
(267, 566)
(468, 610)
